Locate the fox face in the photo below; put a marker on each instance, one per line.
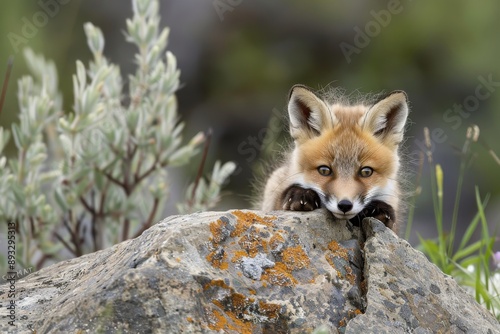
(348, 155)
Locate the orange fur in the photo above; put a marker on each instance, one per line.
(344, 139)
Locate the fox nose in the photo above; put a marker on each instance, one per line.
(344, 205)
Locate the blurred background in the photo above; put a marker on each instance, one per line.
(239, 58)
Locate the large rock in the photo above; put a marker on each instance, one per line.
(408, 294)
(248, 272)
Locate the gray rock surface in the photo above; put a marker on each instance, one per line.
(247, 272)
(407, 294)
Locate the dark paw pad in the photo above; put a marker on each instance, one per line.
(296, 198)
(378, 210)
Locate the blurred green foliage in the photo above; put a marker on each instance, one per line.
(237, 70)
(469, 262)
(96, 175)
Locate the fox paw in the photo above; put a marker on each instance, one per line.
(296, 198)
(378, 210)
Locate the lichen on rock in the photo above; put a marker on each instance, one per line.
(249, 272)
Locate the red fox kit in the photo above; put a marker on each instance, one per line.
(345, 158)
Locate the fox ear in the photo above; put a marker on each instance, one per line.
(386, 119)
(307, 112)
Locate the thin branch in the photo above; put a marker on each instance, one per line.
(93, 220)
(40, 262)
(93, 232)
(65, 223)
(68, 247)
(6, 82)
(98, 219)
(208, 136)
(87, 206)
(73, 234)
(125, 184)
(114, 180)
(138, 179)
(92, 197)
(126, 167)
(94, 213)
(149, 221)
(32, 226)
(139, 166)
(39, 224)
(126, 227)
(132, 152)
(116, 152)
(490, 150)
(79, 237)
(104, 193)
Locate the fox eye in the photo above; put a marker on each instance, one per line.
(325, 170)
(366, 172)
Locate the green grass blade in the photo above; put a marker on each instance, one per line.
(460, 254)
(488, 251)
(477, 286)
(458, 194)
(473, 260)
(472, 226)
(431, 249)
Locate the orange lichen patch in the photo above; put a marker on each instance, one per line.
(350, 276)
(329, 258)
(216, 283)
(189, 319)
(363, 287)
(276, 241)
(216, 321)
(178, 259)
(246, 219)
(271, 311)
(263, 244)
(218, 303)
(252, 291)
(345, 272)
(338, 250)
(295, 258)
(238, 255)
(224, 265)
(216, 228)
(239, 303)
(235, 310)
(218, 259)
(240, 326)
(251, 244)
(353, 313)
(279, 275)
